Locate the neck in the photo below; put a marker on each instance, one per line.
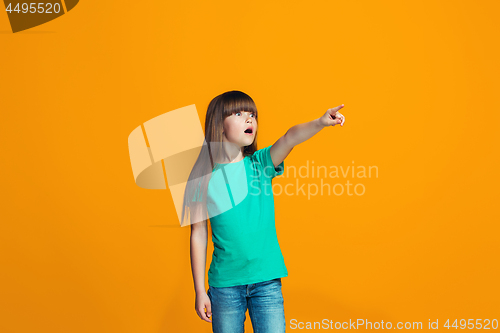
(231, 153)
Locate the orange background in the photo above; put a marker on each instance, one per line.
(84, 249)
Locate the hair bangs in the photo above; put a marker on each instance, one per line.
(237, 101)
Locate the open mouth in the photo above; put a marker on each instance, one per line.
(249, 131)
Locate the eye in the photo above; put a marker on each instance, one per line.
(239, 113)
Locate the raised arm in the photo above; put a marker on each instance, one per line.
(302, 132)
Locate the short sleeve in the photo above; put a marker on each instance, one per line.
(263, 156)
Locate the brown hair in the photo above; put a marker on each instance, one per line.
(219, 109)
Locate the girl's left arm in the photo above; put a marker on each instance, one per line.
(302, 132)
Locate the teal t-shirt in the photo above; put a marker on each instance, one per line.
(240, 205)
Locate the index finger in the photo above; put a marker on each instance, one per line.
(335, 109)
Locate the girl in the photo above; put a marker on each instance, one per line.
(231, 184)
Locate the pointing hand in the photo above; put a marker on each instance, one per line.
(333, 117)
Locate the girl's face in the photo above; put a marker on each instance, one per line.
(235, 126)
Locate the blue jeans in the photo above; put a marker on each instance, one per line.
(264, 301)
